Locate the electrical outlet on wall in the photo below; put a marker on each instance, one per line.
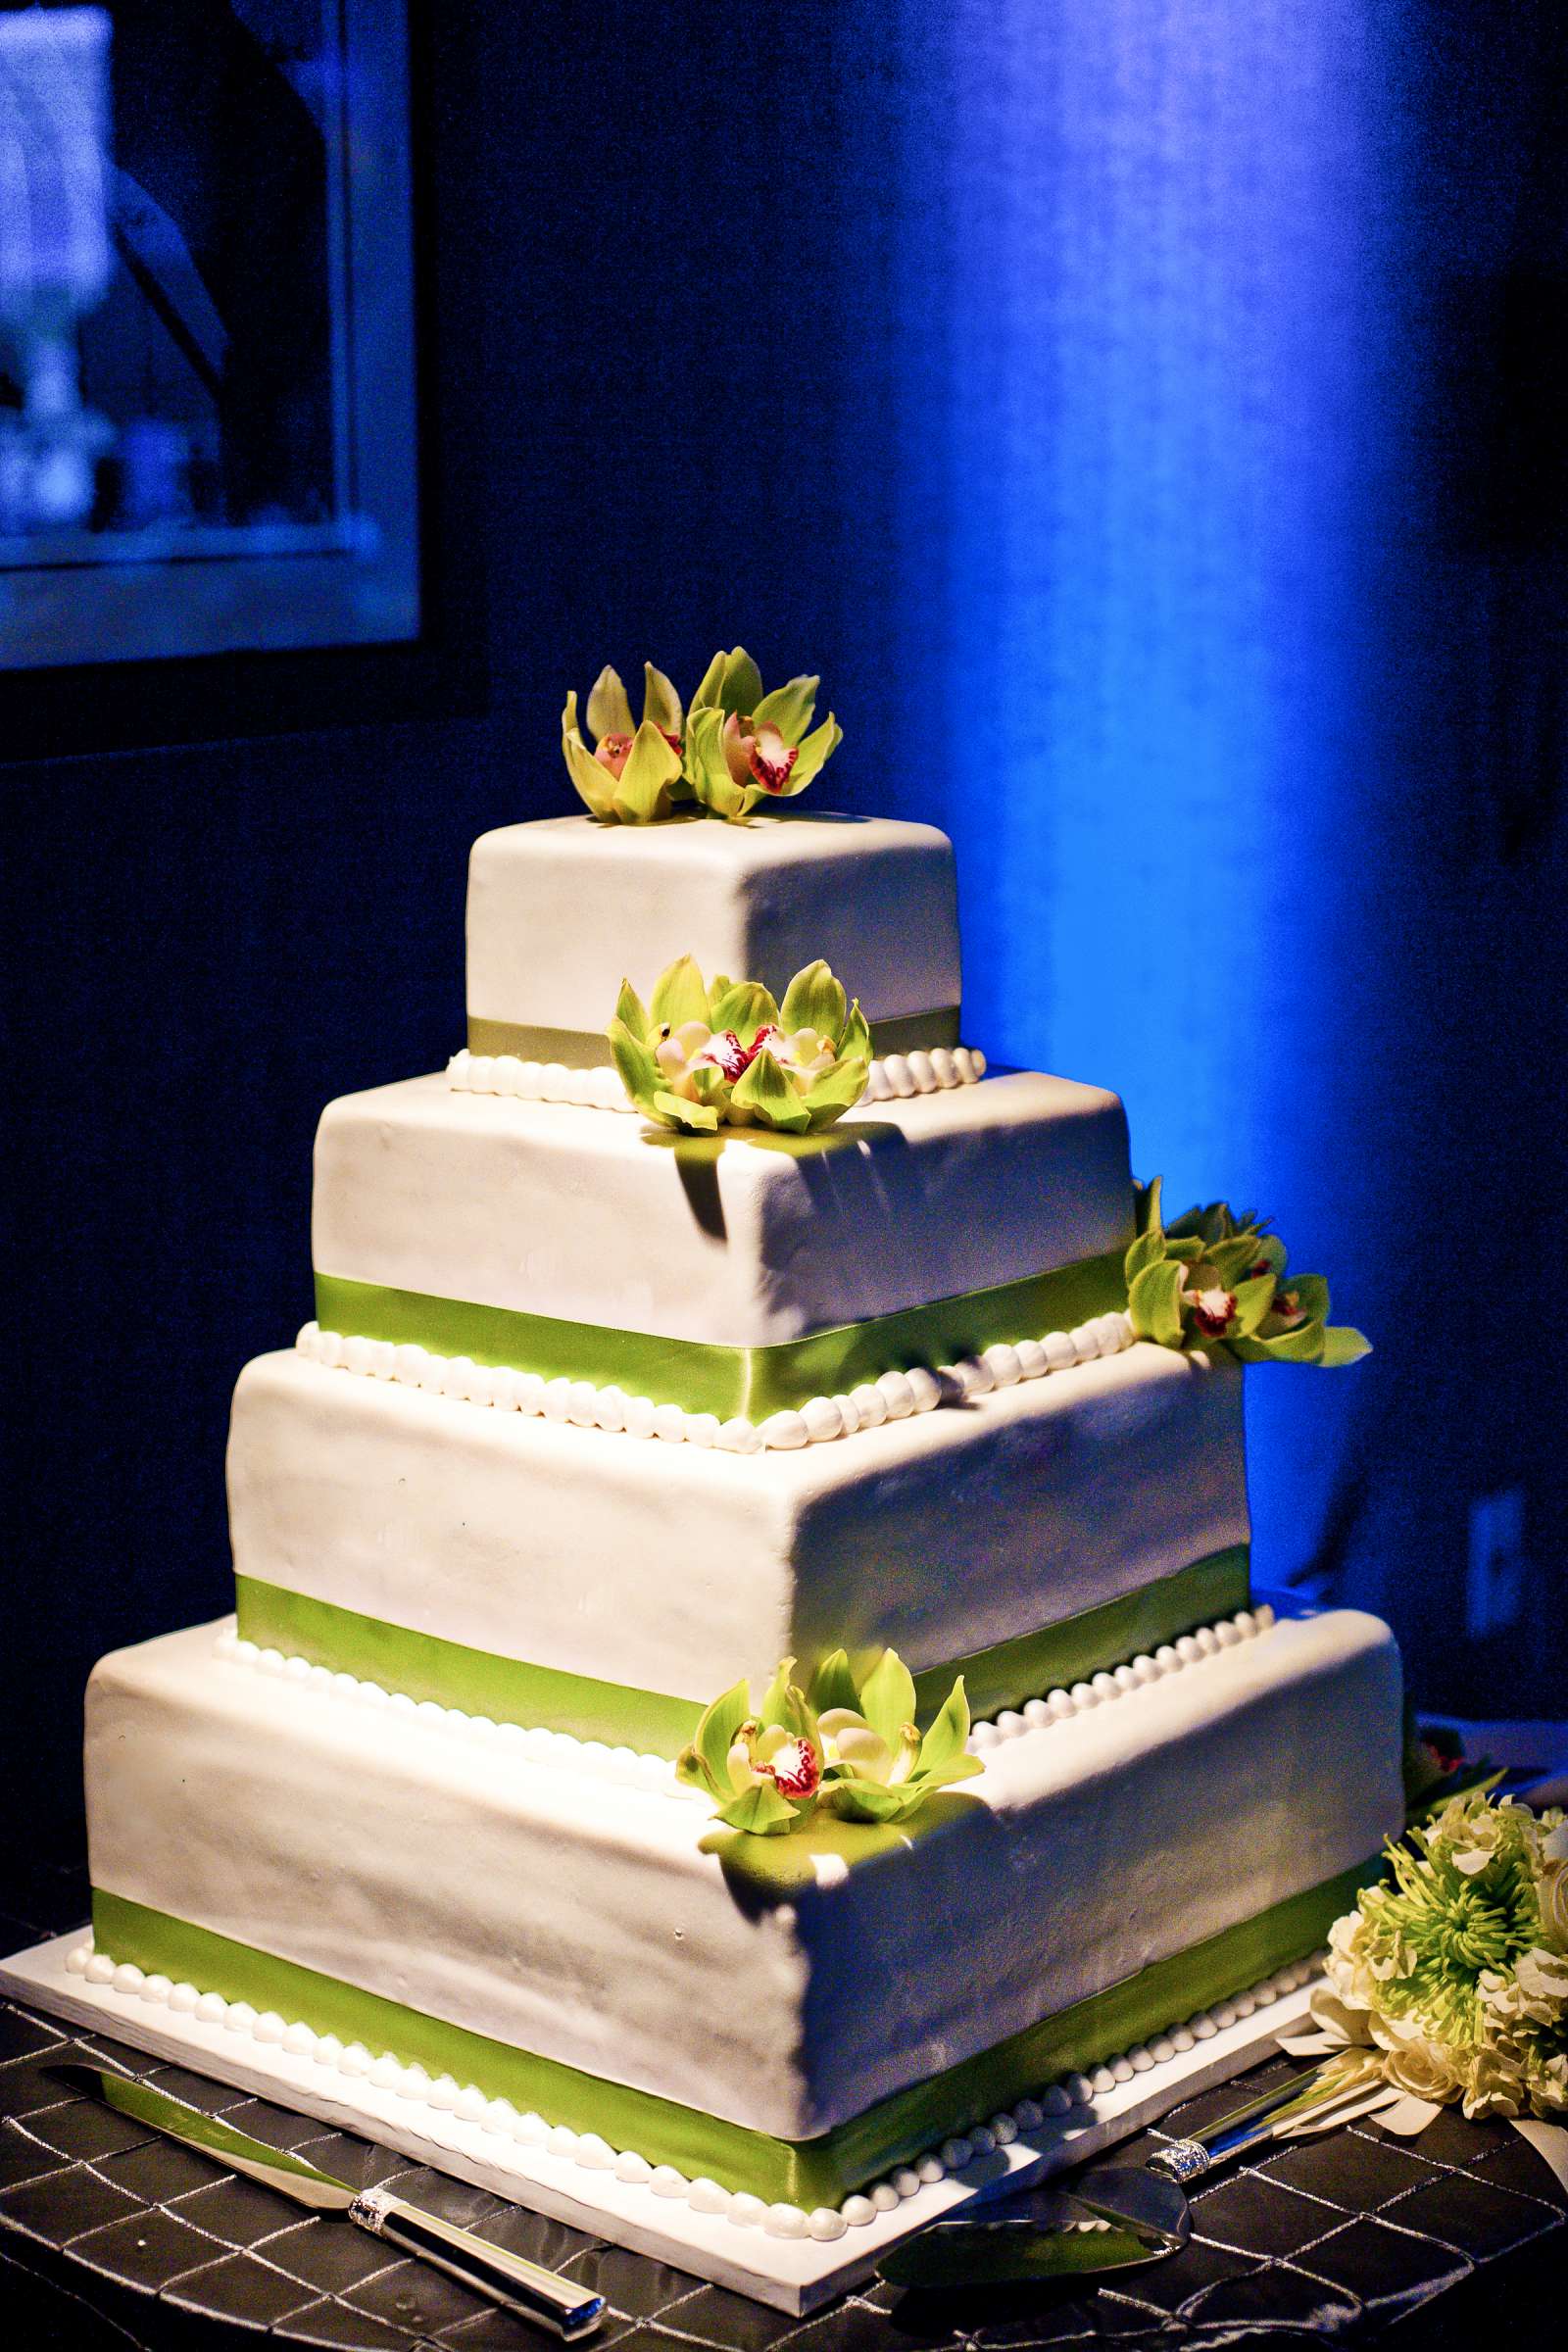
(1495, 1583)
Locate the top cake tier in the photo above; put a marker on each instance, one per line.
(561, 911)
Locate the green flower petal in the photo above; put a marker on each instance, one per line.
(699, 1119)
(630, 1013)
(661, 702)
(768, 1095)
(742, 689)
(814, 999)
(887, 1697)
(949, 1737)
(609, 710)
(641, 796)
(815, 752)
(833, 1685)
(788, 708)
(1153, 1304)
(760, 1811)
(634, 1062)
(745, 1007)
(837, 1091)
(1344, 1345)
(708, 692)
(715, 1732)
(679, 995)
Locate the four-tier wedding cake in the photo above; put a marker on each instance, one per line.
(735, 1315)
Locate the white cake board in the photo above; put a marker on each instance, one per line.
(794, 2275)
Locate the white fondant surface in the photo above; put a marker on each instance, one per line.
(557, 1210)
(561, 911)
(941, 1534)
(585, 1921)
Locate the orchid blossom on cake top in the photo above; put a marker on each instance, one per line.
(1217, 1280)
(743, 747)
(699, 1057)
(633, 775)
(850, 1749)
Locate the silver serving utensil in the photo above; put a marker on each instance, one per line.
(517, 2286)
(1140, 2209)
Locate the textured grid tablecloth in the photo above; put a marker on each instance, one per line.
(113, 2237)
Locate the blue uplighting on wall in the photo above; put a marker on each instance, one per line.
(1153, 251)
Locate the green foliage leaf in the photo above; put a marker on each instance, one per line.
(814, 754)
(887, 1697)
(661, 702)
(609, 708)
(833, 1685)
(788, 708)
(814, 999)
(679, 995)
(631, 1012)
(949, 1735)
(715, 1732)
(1153, 1304)
(759, 1811)
(764, 1091)
(745, 1007)
(742, 689)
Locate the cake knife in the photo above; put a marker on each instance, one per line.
(1136, 2213)
(517, 2284)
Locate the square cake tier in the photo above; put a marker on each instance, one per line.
(737, 1243)
(561, 911)
(374, 1523)
(297, 1848)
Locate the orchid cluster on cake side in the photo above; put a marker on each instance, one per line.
(1452, 1980)
(1217, 1280)
(734, 747)
(845, 1749)
(698, 1057)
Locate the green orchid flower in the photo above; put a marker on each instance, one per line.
(633, 775)
(1217, 1280)
(853, 1750)
(744, 746)
(698, 1057)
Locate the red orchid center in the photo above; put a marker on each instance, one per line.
(796, 1769)
(1213, 1311)
(728, 1054)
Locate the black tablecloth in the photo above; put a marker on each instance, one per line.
(111, 2237)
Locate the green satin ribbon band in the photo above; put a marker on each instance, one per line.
(589, 1048)
(703, 1377)
(514, 1690)
(807, 2172)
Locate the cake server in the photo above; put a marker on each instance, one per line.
(1136, 2213)
(508, 2280)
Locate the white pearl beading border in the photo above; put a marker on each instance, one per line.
(533, 1744)
(893, 1077)
(443, 2096)
(893, 1397)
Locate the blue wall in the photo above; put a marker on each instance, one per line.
(1146, 418)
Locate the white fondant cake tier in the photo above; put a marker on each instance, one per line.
(676, 1568)
(741, 1240)
(597, 1925)
(560, 912)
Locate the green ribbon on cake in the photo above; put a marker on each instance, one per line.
(514, 1690)
(806, 2173)
(728, 1381)
(589, 1048)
